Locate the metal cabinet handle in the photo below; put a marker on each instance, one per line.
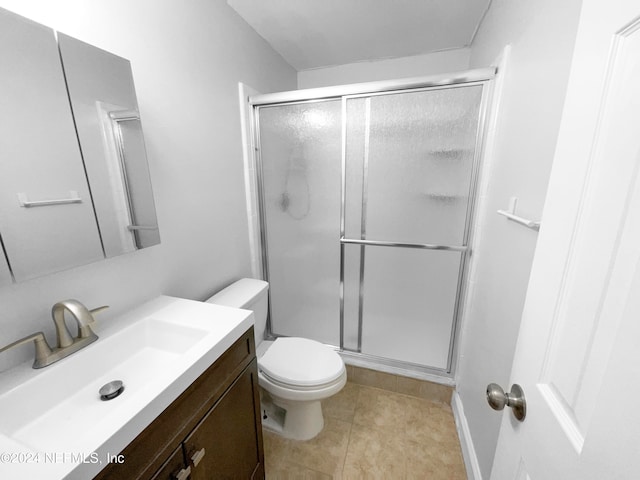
(182, 474)
(515, 399)
(197, 457)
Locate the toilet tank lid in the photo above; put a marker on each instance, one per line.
(240, 294)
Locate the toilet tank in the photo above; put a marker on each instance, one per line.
(249, 294)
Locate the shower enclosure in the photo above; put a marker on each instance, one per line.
(366, 197)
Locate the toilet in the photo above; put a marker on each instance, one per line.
(295, 374)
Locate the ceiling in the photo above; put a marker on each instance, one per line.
(319, 33)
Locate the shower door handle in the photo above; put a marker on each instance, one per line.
(426, 246)
(515, 399)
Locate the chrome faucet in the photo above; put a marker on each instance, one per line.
(83, 317)
(66, 344)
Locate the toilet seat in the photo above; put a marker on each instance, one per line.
(263, 376)
(301, 363)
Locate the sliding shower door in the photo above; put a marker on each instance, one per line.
(366, 202)
(300, 151)
(410, 170)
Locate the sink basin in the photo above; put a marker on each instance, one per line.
(157, 351)
(140, 355)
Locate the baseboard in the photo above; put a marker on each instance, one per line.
(468, 452)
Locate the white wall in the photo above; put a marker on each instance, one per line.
(541, 35)
(386, 69)
(187, 60)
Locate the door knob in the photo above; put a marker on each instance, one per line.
(515, 399)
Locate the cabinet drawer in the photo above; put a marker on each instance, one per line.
(149, 450)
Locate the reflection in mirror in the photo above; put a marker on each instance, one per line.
(47, 222)
(127, 132)
(105, 108)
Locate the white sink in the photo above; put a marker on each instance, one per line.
(55, 417)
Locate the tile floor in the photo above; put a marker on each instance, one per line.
(372, 433)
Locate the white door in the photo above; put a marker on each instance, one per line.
(578, 354)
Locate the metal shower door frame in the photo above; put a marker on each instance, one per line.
(344, 93)
(465, 248)
(261, 194)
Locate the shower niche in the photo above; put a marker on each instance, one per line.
(366, 205)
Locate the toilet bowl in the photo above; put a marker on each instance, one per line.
(296, 374)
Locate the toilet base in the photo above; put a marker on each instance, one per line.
(291, 419)
(272, 415)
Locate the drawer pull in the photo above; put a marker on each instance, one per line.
(196, 457)
(182, 474)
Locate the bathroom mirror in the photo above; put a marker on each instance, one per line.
(103, 100)
(67, 199)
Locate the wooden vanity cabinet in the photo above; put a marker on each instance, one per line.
(227, 433)
(212, 431)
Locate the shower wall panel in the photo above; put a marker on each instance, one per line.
(300, 151)
(421, 151)
(409, 299)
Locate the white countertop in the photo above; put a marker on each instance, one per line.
(53, 427)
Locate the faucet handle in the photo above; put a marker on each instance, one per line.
(98, 309)
(84, 329)
(43, 350)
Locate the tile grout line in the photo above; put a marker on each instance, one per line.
(344, 460)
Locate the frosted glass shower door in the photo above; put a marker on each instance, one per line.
(300, 168)
(410, 166)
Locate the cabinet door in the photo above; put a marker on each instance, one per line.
(227, 443)
(41, 158)
(174, 468)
